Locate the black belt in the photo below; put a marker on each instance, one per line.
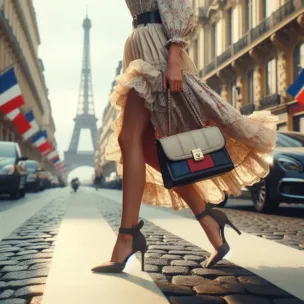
(145, 18)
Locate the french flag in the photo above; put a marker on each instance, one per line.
(19, 120)
(296, 90)
(59, 165)
(34, 125)
(41, 143)
(10, 93)
(56, 160)
(53, 156)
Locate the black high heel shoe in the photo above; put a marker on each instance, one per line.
(221, 218)
(138, 244)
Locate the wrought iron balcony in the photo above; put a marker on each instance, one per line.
(266, 25)
(270, 101)
(241, 44)
(224, 56)
(248, 109)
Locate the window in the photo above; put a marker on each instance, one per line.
(298, 59)
(234, 93)
(229, 28)
(234, 25)
(272, 76)
(213, 40)
(289, 139)
(251, 87)
(298, 122)
(250, 15)
(269, 7)
(193, 4)
(218, 38)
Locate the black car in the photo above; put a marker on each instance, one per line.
(285, 182)
(12, 170)
(33, 180)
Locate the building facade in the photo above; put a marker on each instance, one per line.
(109, 115)
(250, 51)
(19, 43)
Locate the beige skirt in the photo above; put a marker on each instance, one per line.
(249, 139)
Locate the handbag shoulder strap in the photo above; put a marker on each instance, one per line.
(194, 110)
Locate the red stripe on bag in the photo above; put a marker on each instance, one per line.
(206, 163)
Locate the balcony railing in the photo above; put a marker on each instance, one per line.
(248, 109)
(277, 17)
(224, 56)
(270, 101)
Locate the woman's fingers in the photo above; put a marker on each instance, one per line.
(174, 85)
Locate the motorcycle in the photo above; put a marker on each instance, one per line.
(75, 185)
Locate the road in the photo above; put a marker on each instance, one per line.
(68, 224)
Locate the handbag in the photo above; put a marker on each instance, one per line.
(189, 157)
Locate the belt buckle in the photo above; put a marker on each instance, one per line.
(135, 21)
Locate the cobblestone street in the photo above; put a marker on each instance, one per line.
(174, 263)
(285, 229)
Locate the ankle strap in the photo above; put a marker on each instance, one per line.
(205, 212)
(134, 230)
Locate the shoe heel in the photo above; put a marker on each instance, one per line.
(233, 227)
(143, 261)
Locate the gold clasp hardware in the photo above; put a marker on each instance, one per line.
(197, 154)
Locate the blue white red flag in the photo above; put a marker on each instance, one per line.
(56, 160)
(41, 143)
(20, 122)
(10, 93)
(34, 125)
(53, 156)
(296, 90)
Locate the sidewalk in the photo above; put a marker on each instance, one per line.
(257, 271)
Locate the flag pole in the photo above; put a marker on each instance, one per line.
(7, 68)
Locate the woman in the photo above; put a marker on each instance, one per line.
(98, 180)
(154, 60)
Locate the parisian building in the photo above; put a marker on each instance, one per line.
(19, 43)
(250, 51)
(109, 115)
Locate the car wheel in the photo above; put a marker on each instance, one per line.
(15, 195)
(37, 187)
(22, 192)
(224, 202)
(260, 198)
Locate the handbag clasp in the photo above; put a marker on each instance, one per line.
(198, 154)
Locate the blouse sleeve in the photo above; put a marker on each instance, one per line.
(177, 18)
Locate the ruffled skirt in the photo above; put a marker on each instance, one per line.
(249, 139)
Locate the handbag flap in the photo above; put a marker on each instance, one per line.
(180, 146)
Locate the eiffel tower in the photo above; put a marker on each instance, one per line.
(85, 118)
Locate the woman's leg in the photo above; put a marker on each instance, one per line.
(187, 193)
(135, 122)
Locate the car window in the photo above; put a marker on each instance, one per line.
(7, 150)
(290, 140)
(31, 166)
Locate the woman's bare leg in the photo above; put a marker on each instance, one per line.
(187, 193)
(135, 122)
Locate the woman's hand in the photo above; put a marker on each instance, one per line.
(173, 75)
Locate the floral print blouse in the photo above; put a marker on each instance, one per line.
(177, 16)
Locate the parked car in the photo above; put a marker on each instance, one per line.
(54, 182)
(12, 170)
(34, 181)
(285, 182)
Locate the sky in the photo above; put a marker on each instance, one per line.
(61, 49)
